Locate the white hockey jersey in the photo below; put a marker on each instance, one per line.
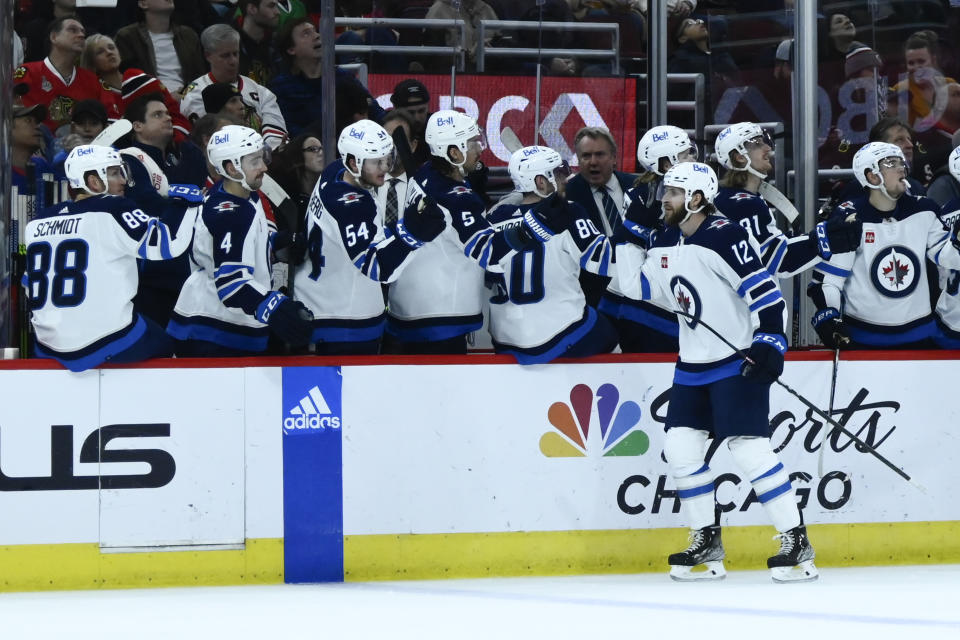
(348, 258)
(232, 264)
(262, 110)
(716, 276)
(882, 286)
(81, 272)
(538, 296)
(948, 304)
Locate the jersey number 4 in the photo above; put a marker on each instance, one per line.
(68, 285)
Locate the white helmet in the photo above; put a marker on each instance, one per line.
(158, 180)
(89, 157)
(954, 163)
(363, 140)
(537, 161)
(233, 143)
(451, 128)
(869, 157)
(665, 141)
(693, 177)
(739, 137)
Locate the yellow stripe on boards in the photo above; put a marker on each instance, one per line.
(83, 566)
(552, 553)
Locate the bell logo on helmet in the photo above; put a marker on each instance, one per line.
(354, 133)
(701, 168)
(660, 137)
(531, 151)
(85, 151)
(221, 139)
(443, 121)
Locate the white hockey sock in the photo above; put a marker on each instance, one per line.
(770, 480)
(684, 449)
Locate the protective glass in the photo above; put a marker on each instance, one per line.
(561, 173)
(892, 163)
(383, 163)
(759, 141)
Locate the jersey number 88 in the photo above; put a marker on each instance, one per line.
(68, 287)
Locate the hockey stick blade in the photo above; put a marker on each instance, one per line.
(779, 201)
(833, 393)
(114, 132)
(836, 425)
(510, 140)
(404, 153)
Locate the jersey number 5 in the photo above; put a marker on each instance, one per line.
(68, 287)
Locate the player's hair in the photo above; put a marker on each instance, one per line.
(396, 114)
(596, 133)
(734, 179)
(878, 132)
(92, 42)
(284, 38)
(216, 35)
(137, 110)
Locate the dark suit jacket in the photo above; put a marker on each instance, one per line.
(579, 191)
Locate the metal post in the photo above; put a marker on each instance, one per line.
(6, 175)
(657, 64)
(805, 130)
(328, 83)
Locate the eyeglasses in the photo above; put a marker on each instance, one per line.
(314, 149)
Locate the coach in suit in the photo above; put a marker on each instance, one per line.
(599, 189)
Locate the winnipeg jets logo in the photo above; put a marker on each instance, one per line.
(225, 206)
(459, 190)
(349, 198)
(687, 300)
(719, 223)
(742, 195)
(895, 272)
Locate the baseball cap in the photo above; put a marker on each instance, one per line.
(409, 92)
(89, 110)
(216, 96)
(785, 51)
(38, 110)
(860, 58)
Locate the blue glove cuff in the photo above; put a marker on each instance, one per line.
(187, 192)
(646, 235)
(268, 306)
(774, 340)
(823, 243)
(539, 231)
(406, 237)
(824, 315)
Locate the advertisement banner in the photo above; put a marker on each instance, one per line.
(566, 105)
(312, 410)
(553, 448)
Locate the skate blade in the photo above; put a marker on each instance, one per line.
(803, 572)
(713, 570)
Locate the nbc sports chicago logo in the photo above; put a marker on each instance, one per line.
(572, 425)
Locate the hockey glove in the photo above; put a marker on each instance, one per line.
(830, 328)
(548, 218)
(836, 236)
(188, 192)
(422, 222)
(764, 361)
(288, 319)
(289, 247)
(634, 233)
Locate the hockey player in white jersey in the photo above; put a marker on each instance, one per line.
(349, 256)
(644, 326)
(745, 151)
(714, 275)
(877, 296)
(226, 306)
(81, 267)
(539, 312)
(948, 304)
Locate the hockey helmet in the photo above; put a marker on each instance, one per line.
(665, 141)
(537, 161)
(741, 137)
(233, 143)
(452, 128)
(88, 157)
(869, 158)
(366, 140)
(953, 162)
(693, 177)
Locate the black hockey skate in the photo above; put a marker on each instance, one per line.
(706, 549)
(794, 561)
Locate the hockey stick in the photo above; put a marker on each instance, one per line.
(404, 154)
(114, 132)
(510, 140)
(833, 393)
(779, 201)
(836, 425)
(285, 207)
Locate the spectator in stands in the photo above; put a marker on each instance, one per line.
(411, 98)
(257, 23)
(471, 12)
(290, 10)
(599, 188)
(299, 85)
(55, 82)
(88, 119)
(26, 140)
(693, 55)
(221, 46)
(182, 163)
(161, 48)
(38, 14)
(222, 98)
(944, 186)
(102, 56)
(923, 94)
(296, 166)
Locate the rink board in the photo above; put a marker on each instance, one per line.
(316, 469)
